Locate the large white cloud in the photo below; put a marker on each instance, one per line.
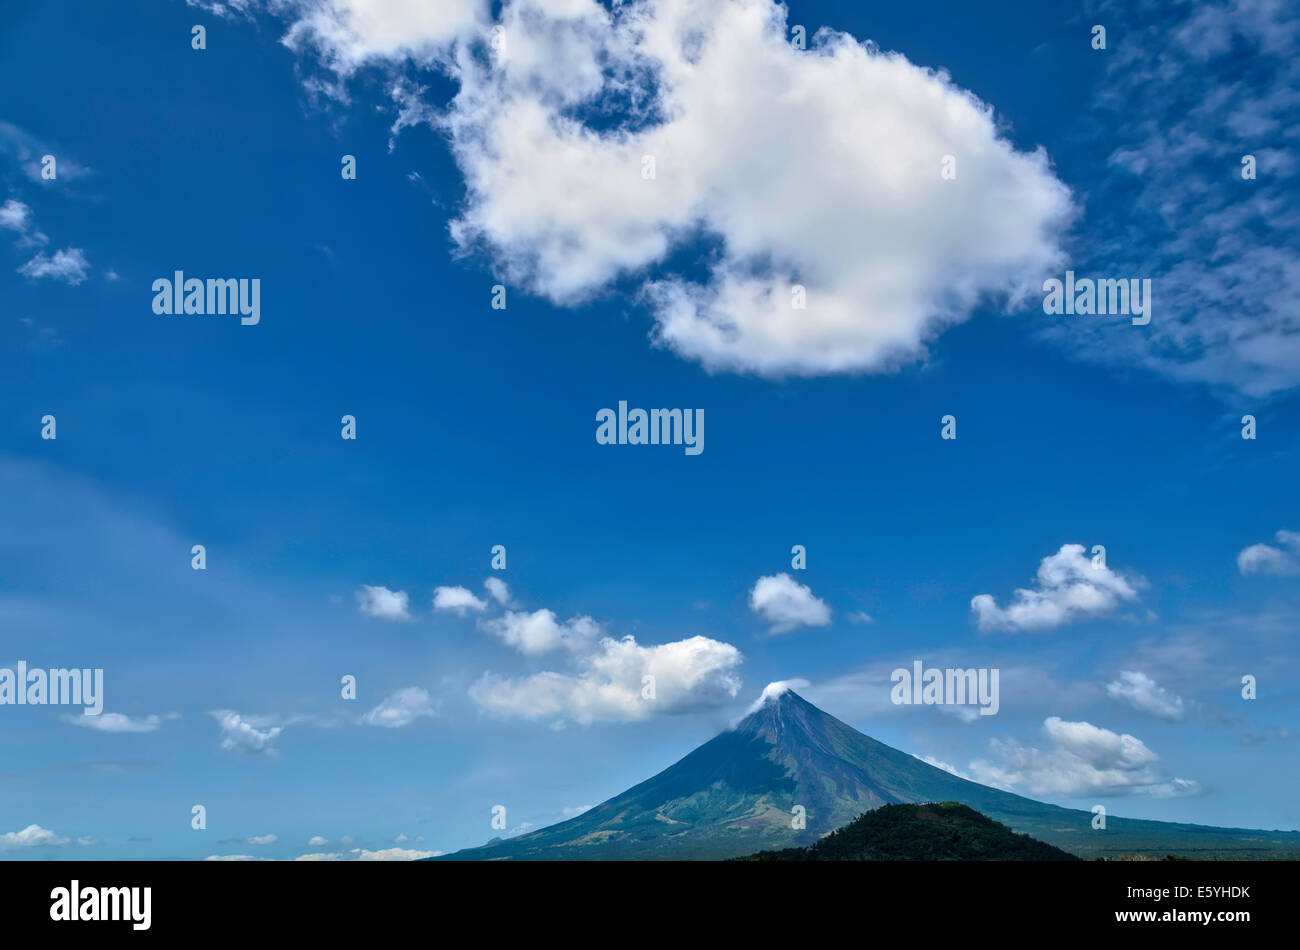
(1266, 559)
(1070, 588)
(611, 683)
(818, 167)
(787, 604)
(1080, 759)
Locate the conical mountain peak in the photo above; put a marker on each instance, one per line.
(789, 773)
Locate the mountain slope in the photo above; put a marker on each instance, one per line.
(946, 831)
(735, 795)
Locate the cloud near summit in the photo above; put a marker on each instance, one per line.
(817, 167)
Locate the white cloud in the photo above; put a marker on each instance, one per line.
(384, 604)
(15, 216)
(861, 616)
(119, 722)
(1141, 692)
(775, 689)
(457, 599)
(576, 810)
(539, 632)
(350, 33)
(262, 839)
(1265, 559)
(1081, 759)
(1070, 588)
(394, 854)
(401, 709)
(68, 265)
(359, 854)
(498, 590)
(316, 841)
(787, 604)
(33, 836)
(818, 167)
(28, 151)
(233, 857)
(251, 735)
(688, 674)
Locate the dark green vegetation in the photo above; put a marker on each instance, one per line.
(942, 831)
(734, 796)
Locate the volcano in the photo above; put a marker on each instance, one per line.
(740, 793)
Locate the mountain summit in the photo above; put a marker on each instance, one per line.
(789, 773)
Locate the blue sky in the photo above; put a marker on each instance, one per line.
(475, 425)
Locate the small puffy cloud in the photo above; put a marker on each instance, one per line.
(384, 604)
(539, 632)
(68, 265)
(316, 841)
(457, 599)
(498, 590)
(1141, 692)
(262, 839)
(253, 735)
(611, 684)
(1266, 559)
(1080, 759)
(787, 604)
(119, 722)
(401, 709)
(33, 836)
(1070, 588)
(861, 616)
(15, 216)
